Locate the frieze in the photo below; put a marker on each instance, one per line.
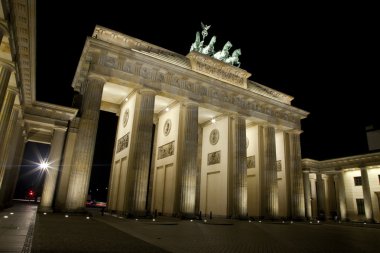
(122, 143)
(213, 158)
(198, 88)
(165, 150)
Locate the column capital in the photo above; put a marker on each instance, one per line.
(190, 103)
(13, 90)
(7, 65)
(294, 131)
(60, 129)
(236, 115)
(145, 91)
(96, 79)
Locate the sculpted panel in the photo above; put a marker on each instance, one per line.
(213, 158)
(165, 150)
(122, 143)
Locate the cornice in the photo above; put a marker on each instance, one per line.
(22, 31)
(358, 161)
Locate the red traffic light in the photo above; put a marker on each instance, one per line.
(31, 193)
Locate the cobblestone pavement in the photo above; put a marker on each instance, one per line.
(56, 233)
(16, 227)
(244, 236)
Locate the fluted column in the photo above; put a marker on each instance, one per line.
(85, 145)
(296, 178)
(5, 116)
(341, 195)
(307, 190)
(321, 196)
(139, 154)
(5, 74)
(15, 160)
(313, 190)
(366, 194)
(6, 169)
(187, 157)
(269, 186)
(238, 169)
(64, 173)
(54, 162)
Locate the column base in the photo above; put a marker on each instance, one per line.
(45, 209)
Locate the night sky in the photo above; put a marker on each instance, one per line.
(322, 55)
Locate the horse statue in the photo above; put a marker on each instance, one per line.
(198, 44)
(234, 59)
(224, 54)
(209, 49)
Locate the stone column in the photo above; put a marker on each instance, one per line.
(238, 167)
(321, 197)
(139, 153)
(64, 173)
(342, 206)
(330, 196)
(187, 158)
(54, 162)
(313, 190)
(5, 74)
(5, 116)
(269, 187)
(85, 145)
(15, 161)
(152, 164)
(366, 194)
(6, 169)
(307, 190)
(296, 178)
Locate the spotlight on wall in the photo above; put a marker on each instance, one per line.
(213, 121)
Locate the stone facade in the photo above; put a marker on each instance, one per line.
(346, 188)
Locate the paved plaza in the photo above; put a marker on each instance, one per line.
(77, 233)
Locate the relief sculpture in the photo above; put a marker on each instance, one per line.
(165, 150)
(213, 158)
(122, 143)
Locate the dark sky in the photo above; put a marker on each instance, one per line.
(323, 55)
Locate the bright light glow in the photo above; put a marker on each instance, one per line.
(126, 99)
(66, 216)
(205, 220)
(87, 218)
(44, 213)
(5, 217)
(291, 222)
(137, 219)
(213, 121)
(44, 165)
(260, 221)
(191, 220)
(167, 109)
(154, 220)
(11, 213)
(249, 221)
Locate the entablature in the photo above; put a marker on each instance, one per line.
(141, 70)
